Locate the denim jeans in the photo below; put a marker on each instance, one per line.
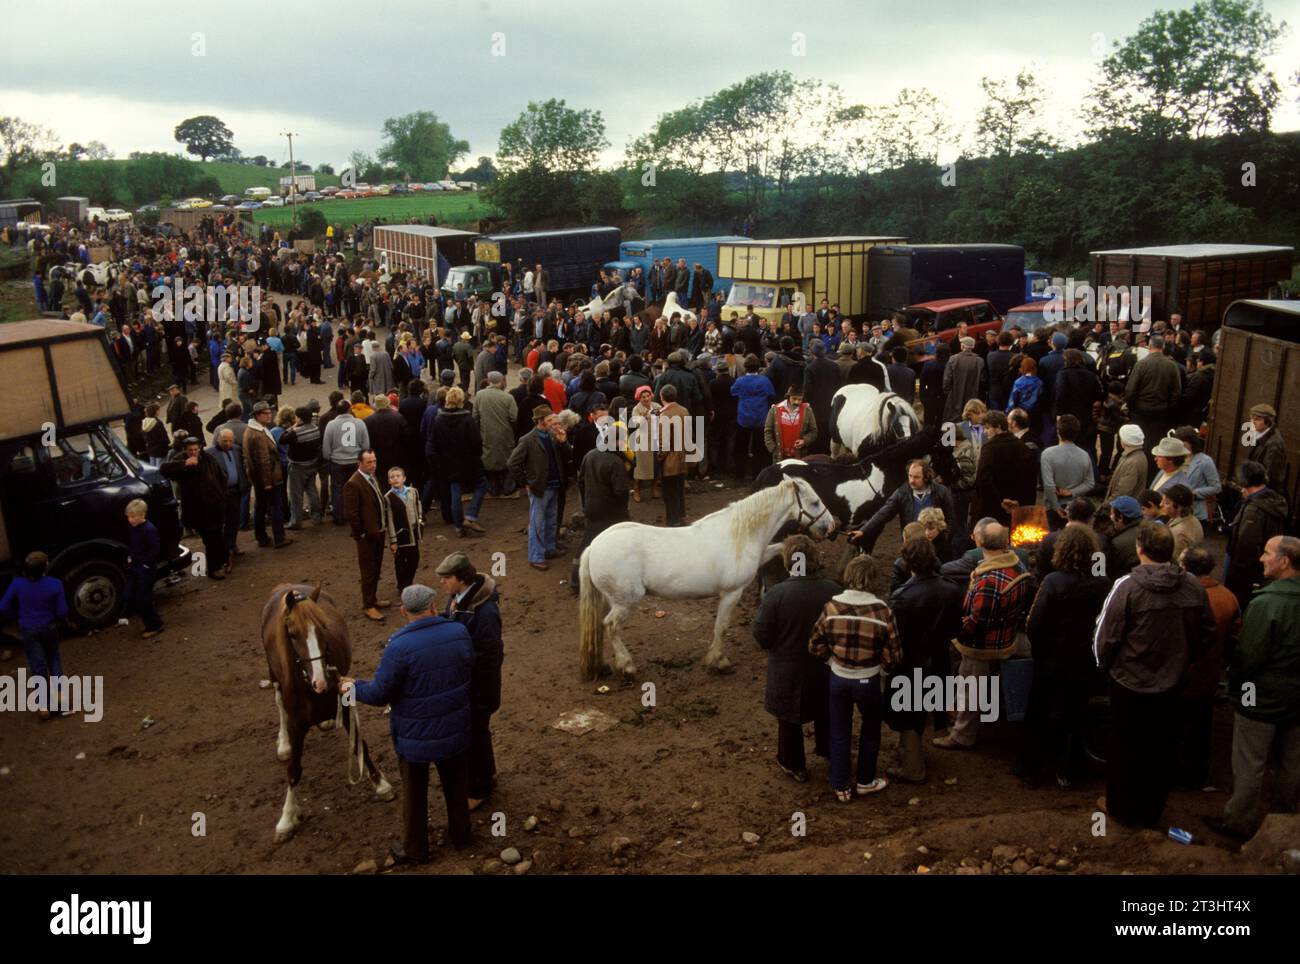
(42, 649)
(458, 513)
(302, 482)
(543, 516)
(291, 367)
(844, 695)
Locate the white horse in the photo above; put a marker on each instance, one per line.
(864, 419)
(717, 555)
(624, 296)
(671, 304)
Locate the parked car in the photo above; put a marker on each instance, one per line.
(219, 207)
(273, 202)
(401, 189)
(248, 205)
(117, 214)
(230, 199)
(146, 208)
(432, 186)
(331, 190)
(347, 195)
(310, 196)
(942, 318)
(383, 190)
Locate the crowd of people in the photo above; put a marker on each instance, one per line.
(1099, 426)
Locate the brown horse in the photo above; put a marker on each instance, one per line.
(307, 650)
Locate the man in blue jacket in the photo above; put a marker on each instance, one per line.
(424, 675)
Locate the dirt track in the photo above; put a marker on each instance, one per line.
(682, 781)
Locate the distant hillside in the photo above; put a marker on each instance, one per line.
(130, 183)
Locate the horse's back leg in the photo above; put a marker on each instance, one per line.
(726, 605)
(290, 816)
(618, 612)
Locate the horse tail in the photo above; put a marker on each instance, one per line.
(591, 620)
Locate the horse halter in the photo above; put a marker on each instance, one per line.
(804, 513)
(303, 668)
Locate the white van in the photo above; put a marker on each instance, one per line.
(257, 193)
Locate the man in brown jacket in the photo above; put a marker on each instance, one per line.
(1154, 625)
(366, 512)
(675, 429)
(265, 476)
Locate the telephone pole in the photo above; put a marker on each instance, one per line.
(293, 179)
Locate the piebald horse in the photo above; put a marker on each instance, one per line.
(865, 420)
(307, 650)
(717, 555)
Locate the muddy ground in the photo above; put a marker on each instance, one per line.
(683, 782)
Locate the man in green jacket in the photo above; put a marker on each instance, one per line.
(1265, 684)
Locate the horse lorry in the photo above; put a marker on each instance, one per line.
(1197, 281)
(911, 274)
(65, 475)
(770, 276)
(643, 255)
(572, 258)
(1257, 362)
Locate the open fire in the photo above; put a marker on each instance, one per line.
(1028, 525)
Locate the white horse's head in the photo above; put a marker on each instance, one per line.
(808, 509)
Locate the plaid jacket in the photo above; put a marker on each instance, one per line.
(858, 631)
(996, 605)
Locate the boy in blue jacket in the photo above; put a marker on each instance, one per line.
(424, 675)
(141, 566)
(37, 602)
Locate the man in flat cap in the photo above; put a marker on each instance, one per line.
(474, 602)
(424, 675)
(1266, 446)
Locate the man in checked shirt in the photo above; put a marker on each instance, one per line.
(995, 608)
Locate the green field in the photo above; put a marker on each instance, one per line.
(456, 208)
(234, 178)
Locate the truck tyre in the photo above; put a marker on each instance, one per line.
(96, 594)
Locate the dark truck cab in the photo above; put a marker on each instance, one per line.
(65, 475)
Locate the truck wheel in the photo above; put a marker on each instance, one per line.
(96, 593)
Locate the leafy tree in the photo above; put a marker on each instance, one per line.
(74, 152)
(1008, 121)
(204, 135)
(325, 168)
(1190, 73)
(259, 160)
(97, 151)
(21, 143)
(484, 172)
(421, 146)
(552, 137)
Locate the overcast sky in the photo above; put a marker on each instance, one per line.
(127, 73)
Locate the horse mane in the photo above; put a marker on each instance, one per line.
(753, 510)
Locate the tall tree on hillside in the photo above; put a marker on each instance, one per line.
(22, 142)
(484, 172)
(98, 151)
(421, 146)
(1008, 121)
(551, 136)
(204, 135)
(1191, 73)
(770, 128)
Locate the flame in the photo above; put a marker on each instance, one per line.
(1027, 535)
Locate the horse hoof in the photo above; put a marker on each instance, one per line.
(723, 667)
(629, 673)
(283, 836)
(326, 725)
(282, 753)
(385, 792)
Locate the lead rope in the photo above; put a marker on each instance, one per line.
(355, 753)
